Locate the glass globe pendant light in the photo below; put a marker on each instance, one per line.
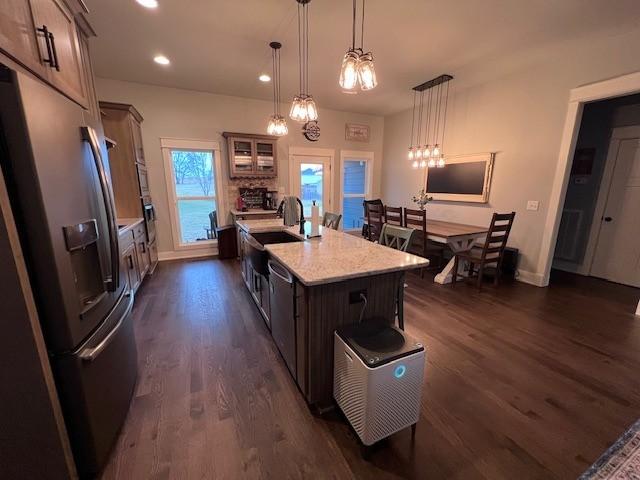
(277, 124)
(303, 107)
(358, 69)
(367, 72)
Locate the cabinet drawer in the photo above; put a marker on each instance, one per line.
(125, 240)
(140, 232)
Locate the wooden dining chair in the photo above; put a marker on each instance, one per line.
(365, 206)
(375, 220)
(331, 220)
(492, 252)
(393, 215)
(398, 238)
(418, 219)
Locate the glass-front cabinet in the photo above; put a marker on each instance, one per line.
(252, 155)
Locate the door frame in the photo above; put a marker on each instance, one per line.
(367, 156)
(313, 152)
(615, 87)
(617, 134)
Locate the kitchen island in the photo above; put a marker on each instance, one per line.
(310, 287)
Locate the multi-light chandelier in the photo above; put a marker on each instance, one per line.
(357, 66)
(430, 154)
(277, 124)
(303, 108)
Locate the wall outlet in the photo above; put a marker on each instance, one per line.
(533, 205)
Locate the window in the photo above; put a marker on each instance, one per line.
(192, 171)
(356, 186)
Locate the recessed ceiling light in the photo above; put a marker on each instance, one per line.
(161, 59)
(264, 78)
(148, 3)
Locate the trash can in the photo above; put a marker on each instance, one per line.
(227, 242)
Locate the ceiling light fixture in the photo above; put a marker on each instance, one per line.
(264, 78)
(161, 60)
(431, 154)
(357, 67)
(277, 124)
(148, 3)
(303, 107)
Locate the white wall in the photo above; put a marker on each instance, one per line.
(170, 112)
(520, 115)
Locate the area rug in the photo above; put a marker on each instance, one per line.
(621, 461)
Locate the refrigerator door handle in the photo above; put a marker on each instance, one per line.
(89, 135)
(90, 354)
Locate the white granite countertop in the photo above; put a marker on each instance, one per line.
(333, 257)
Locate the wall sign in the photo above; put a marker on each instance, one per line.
(356, 133)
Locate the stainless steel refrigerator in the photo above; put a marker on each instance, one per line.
(54, 161)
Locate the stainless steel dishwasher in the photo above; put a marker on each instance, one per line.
(282, 290)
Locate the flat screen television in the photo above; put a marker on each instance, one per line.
(464, 178)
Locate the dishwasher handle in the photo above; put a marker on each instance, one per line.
(280, 272)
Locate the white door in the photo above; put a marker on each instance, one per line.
(617, 255)
(311, 181)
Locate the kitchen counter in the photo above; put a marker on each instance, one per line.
(127, 224)
(252, 212)
(333, 257)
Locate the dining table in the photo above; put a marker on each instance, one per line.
(459, 237)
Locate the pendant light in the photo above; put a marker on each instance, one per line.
(303, 107)
(358, 69)
(277, 124)
(431, 153)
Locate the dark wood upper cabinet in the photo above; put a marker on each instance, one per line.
(18, 34)
(42, 35)
(252, 155)
(61, 50)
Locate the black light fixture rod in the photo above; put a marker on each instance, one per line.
(444, 121)
(427, 123)
(413, 117)
(353, 27)
(433, 82)
(362, 31)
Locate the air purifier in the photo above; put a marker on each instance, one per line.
(377, 382)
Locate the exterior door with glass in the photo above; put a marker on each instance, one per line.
(311, 181)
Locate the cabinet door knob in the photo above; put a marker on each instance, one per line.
(607, 219)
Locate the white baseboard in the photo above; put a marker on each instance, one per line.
(531, 278)
(184, 254)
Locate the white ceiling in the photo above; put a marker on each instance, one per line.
(221, 46)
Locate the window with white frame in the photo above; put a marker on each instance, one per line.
(356, 187)
(192, 172)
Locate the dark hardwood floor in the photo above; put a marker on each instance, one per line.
(520, 382)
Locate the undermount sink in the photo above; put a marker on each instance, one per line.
(256, 252)
(266, 238)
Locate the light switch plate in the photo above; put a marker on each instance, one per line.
(533, 205)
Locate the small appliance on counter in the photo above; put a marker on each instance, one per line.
(377, 379)
(270, 200)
